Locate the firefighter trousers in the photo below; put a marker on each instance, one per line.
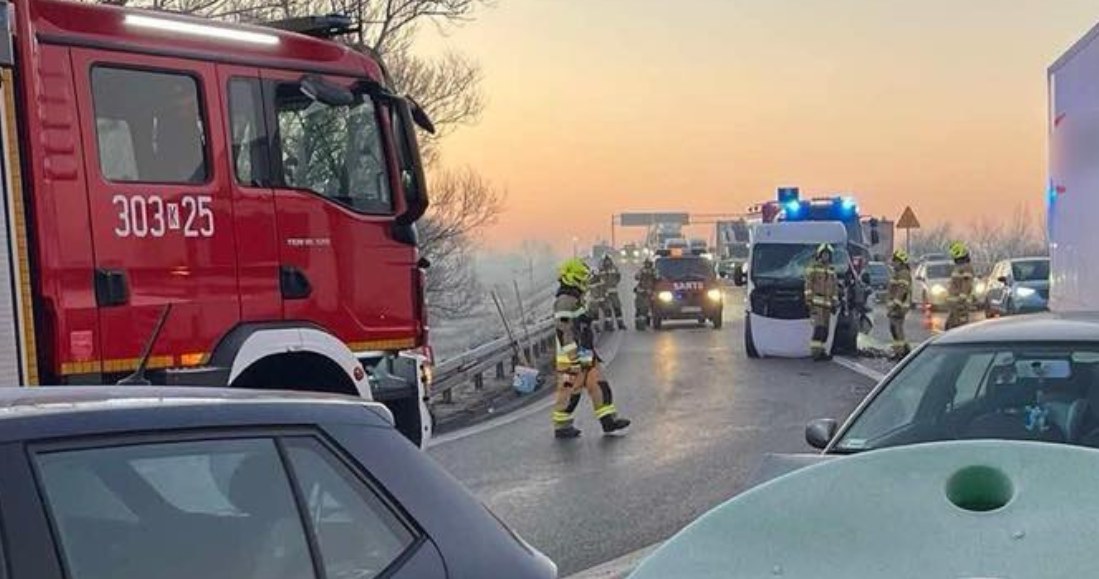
(641, 308)
(821, 319)
(570, 386)
(959, 316)
(896, 330)
(614, 304)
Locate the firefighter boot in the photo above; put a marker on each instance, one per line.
(566, 432)
(613, 423)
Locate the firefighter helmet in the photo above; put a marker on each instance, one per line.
(900, 256)
(574, 273)
(958, 250)
(823, 249)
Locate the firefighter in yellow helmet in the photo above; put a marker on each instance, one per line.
(960, 299)
(578, 366)
(900, 300)
(822, 298)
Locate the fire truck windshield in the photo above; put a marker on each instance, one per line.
(334, 151)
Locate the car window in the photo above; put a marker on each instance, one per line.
(149, 126)
(1014, 390)
(679, 268)
(358, 535)
(178, 510)
(939, 270)
(248, 132)
(1030, 270)
(896, 406)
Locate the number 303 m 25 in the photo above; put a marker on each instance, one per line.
(152, 216)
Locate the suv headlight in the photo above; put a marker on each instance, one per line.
(714, 295)
(665, 297)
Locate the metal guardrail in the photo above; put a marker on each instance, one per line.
(471, 365)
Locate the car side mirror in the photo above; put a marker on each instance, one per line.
(740, 278)
(820, 432)
(1002, 279)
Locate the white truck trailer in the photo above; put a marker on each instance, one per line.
(1072, 197)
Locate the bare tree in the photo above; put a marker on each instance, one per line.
(933, 239)
(463, 204)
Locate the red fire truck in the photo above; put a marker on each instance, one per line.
(187, 202)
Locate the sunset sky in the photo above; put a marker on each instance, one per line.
(603, 106)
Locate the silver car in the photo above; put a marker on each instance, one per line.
(1030, 378)
(1018, 286)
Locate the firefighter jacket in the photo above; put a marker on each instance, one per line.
(611, 278)
(646, 281)
(900, 291)
(821, 286)
(961, 287)
(597, 288)
(575, 338)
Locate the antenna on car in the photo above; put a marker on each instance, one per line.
(138, 377)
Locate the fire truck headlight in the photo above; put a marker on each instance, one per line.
(666, 297)
(714, 295)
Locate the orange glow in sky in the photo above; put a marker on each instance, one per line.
(603, 106)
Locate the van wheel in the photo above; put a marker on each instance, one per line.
(749, 344)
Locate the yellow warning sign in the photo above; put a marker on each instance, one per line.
(908, 220)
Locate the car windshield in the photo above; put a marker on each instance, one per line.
(738, 251)
(939, 270)
(1017, 391)
(680, 268)
(1030, 270)
(788, 260)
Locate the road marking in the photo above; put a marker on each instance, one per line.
(608, 354)
(859, 368)
(616, 568)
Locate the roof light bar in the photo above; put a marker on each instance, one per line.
(194, 29)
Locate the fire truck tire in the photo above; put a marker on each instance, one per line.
(749, 344)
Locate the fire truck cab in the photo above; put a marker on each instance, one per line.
(189, 202)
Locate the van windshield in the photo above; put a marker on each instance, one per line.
(787, 261)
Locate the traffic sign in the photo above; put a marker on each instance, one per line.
(908, 219)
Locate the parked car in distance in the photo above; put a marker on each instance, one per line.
(1030, 378)
(931, 284)
(932, 257)
(879, 279)
(177, 483)
(1018, 286)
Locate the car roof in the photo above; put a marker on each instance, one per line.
(1046, 327)
(48, 411)
(1018, 259)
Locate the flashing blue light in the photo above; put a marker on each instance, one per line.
(848, 204)
(1051, 194)
(793, 208)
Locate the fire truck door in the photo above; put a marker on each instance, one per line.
(161, 212)
(339, 266)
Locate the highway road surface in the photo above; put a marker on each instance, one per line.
(704, 414)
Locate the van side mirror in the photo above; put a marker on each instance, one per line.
(740, 277)
(820, 432)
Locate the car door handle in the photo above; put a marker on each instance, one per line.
(293, 283)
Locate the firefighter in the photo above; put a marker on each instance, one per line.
(643, 293)
(611, 277)
(960, 299)
(597, 298)
(900, 300)
(822, 298)
(577, 363)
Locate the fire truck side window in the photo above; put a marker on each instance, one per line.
(334, 151)
(149, 126)
(250, 160)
